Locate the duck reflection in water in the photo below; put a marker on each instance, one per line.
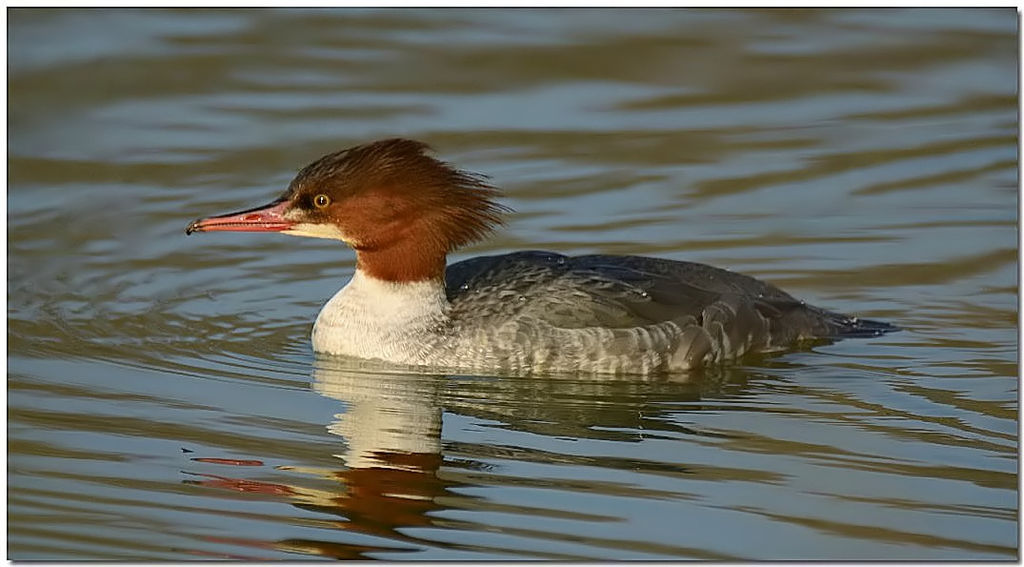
(392, 452)
(393, 477)
(392, 429)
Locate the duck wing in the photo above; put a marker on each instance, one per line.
(630, 291)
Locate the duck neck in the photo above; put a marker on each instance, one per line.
(390, 303)
(403, 261)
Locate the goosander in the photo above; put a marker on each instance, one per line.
(403, 211)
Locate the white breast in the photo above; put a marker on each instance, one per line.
(371, 318)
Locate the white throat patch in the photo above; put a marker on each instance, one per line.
(313, 230)
(317, 231)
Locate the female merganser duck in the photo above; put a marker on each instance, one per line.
(403, 211)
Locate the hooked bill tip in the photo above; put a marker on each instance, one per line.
(193, 227)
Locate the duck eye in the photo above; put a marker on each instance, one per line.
(321, 201)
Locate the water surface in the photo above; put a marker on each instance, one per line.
(164, 402)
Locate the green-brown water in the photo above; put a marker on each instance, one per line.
(163, 400)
